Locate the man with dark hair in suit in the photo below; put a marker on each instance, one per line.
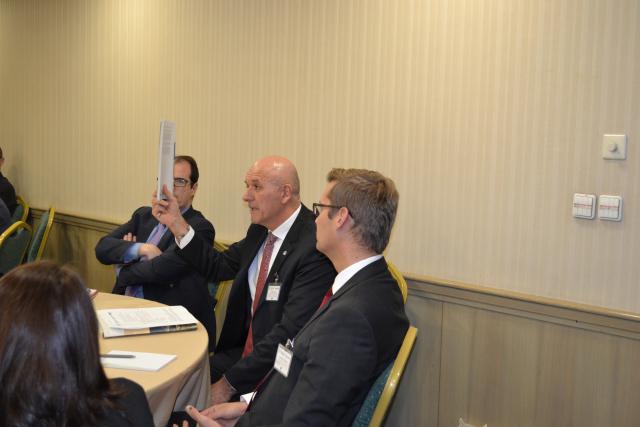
(323, 374)
(279, 278)
(147, 266)
(7, 192)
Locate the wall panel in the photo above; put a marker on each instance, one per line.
(489, 116)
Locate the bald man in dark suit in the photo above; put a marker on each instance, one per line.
(279, 277)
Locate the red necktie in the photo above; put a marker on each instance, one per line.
(327, 297)
(262, 279)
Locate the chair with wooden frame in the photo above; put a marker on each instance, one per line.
(402, 284)
(14, 242)
(22, 210)
(375, 406)
(221, 294)
(41, 235)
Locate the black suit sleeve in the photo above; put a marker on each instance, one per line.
(215, 266)
(8, 194)
(111, 248)
(167, 267)
(313, 276)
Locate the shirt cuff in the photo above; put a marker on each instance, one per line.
(186, 238)
(132, 253)
(246, 398)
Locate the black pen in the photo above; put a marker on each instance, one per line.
(119, 356)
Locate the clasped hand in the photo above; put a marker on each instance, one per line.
(146, 251)
(222, 415)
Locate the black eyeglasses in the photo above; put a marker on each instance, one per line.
(180, 182)
(317, 206)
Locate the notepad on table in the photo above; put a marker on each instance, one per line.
(140, 361)
(119, 322)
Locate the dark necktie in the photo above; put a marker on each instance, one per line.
(262, 279)
(327, 297)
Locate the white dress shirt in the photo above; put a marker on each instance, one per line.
(280, 232)
(346, 274)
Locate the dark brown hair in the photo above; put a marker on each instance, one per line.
(195, 174)
(50, 371)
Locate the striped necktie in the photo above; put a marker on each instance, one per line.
(153, 239)
(262, 278)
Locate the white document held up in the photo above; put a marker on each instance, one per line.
(139, 361)
(166, 154)
(117, 322)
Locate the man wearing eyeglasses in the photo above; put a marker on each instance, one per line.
(279, 277)
(146, 265)
(323, 374)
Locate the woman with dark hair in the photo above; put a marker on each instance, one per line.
(50, 371)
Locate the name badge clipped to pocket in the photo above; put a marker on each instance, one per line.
(283, 358)
(273, 291)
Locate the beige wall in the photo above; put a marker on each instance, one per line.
(488, 115)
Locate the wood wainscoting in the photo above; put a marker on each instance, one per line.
(506, 360)
(72, 241)
(488, 356)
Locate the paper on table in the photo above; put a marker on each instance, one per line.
(137, 318)
(121, 322)
(141, 361)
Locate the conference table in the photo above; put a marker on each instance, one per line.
(183, 381)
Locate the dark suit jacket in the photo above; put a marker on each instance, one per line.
(166, 278)
(8, 194)
(5, 217)
(337, 355)
(304, 275)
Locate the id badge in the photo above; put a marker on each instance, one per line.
(273, 292)
(283, 360)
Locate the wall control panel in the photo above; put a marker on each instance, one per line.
(584, 205)
(610, 208)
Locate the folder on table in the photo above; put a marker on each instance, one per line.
(119, 322)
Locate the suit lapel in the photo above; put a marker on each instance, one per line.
(272, 277)
(252, 245)
(287, 247)
(251, 252)
(361, 276)
(145, 226)
(285, 250)
(166, 240)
